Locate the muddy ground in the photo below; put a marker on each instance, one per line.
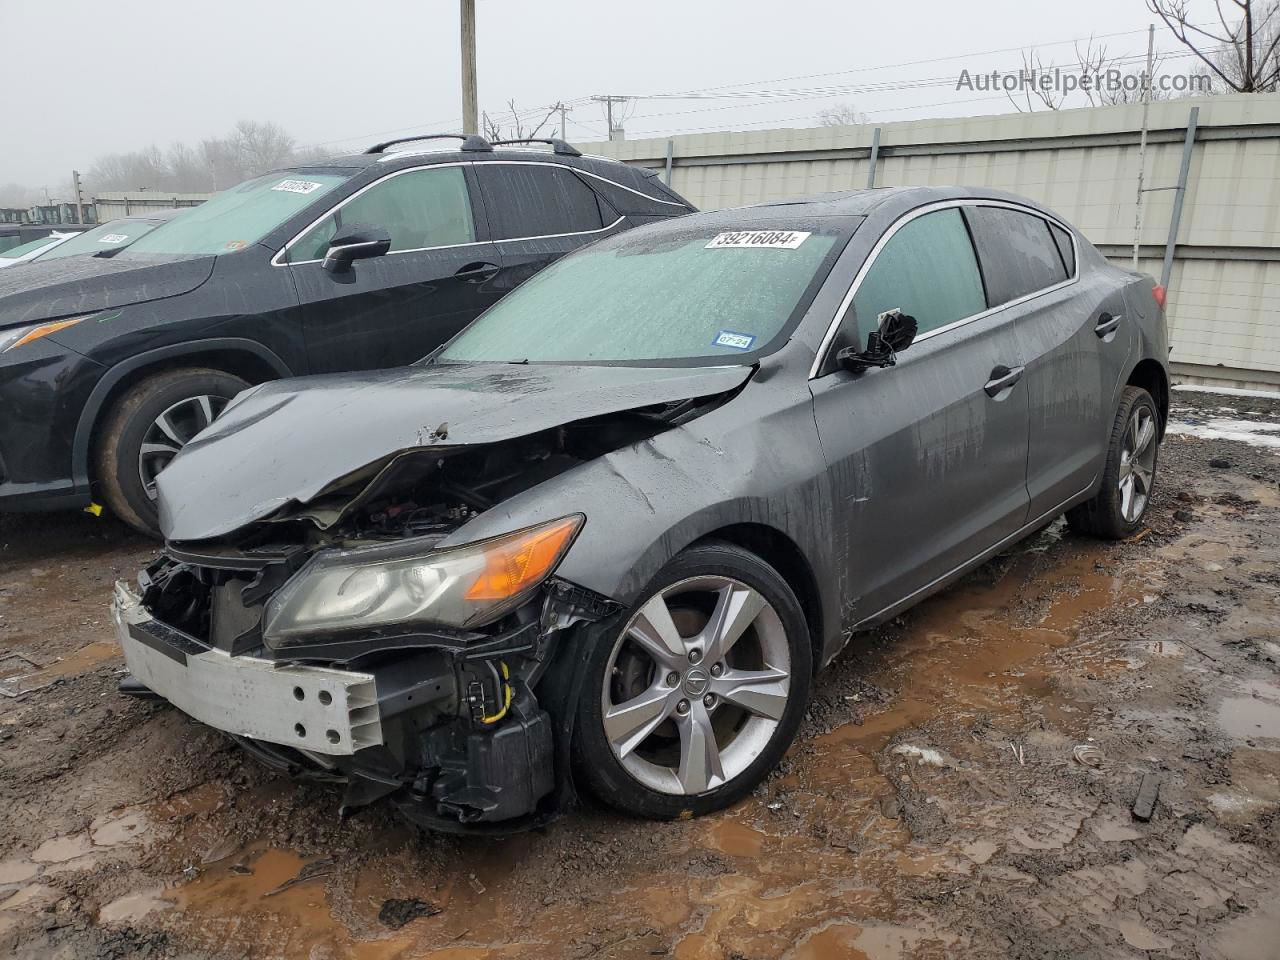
(962, 786)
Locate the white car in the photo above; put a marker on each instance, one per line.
(32, 249)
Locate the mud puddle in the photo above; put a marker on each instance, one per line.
(935, 804)
(743, 883)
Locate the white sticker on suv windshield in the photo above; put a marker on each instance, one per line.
(774, 239)
(735, 341)
(112, 238)
(298, 186)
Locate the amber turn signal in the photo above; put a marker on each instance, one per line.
(522, 560)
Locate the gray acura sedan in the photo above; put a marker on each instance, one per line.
(605, 536)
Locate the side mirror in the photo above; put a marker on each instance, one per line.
(358, 243)
(894, 332)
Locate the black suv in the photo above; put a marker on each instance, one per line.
(109, 365)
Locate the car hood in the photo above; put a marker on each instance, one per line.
(287, 441)
(46, 290)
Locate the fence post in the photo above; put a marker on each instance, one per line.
(671, 149)
(1175, 218)
(875, 156)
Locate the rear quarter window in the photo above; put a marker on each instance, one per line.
(1065, 247)
(530, 200)
(1018, 253)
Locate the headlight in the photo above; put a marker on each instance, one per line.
(397, 584)
(16, 337)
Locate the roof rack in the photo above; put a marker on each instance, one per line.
(557, 146)
(470, 142)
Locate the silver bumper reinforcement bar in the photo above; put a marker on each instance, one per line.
(315, 709)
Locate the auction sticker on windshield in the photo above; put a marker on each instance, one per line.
(112, 238)
(772, 239)
(298, 186)
(735, 341)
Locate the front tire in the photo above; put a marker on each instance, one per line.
(1128, 477)
(697, 697)
(152, 421)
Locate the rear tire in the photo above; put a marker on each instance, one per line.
(1128, 477)
(693, 718)
(162, 411)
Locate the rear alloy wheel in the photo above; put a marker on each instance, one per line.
(154, 420)
(1129, 474)
(700, 693)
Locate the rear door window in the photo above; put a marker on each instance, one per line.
(418, 209)
(1065, 247)
(530, 200)
(1018, 253)
(928, 270)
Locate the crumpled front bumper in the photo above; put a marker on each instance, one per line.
(312, 709)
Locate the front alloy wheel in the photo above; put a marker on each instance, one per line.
(171, 431)
(702, 689)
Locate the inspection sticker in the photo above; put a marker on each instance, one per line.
(773, 239)
(112, 238)
(735, 341)
(298, 186)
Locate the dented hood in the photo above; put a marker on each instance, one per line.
(287, 441)
(49, 289)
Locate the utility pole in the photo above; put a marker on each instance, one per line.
(562, 110)
(77, 196)
(608, 102)
(1142, 139)
(470, 98)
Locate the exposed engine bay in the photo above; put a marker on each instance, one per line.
(465, 724)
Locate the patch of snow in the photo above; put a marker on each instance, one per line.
(1227, 391)
(1259, 434)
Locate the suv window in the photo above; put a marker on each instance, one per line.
(1018, 253)
(527, 200)
(421, 208)
(928, 270)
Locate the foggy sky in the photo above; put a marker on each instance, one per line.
(87, 77)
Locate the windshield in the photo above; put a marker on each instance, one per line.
(109, 236)
(704, 293)
(24, 248)
(237, 217)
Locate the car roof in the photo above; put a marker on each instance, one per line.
(875, 199)
(448, 150)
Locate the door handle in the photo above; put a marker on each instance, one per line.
(1107, 323)
(1002, 378)
(476, 272)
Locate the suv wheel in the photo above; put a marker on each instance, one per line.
(147, 427)
(700, 693)
(1128, 477)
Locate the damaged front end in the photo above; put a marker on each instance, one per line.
(341, 639)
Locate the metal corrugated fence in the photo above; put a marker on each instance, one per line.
(1224, 297)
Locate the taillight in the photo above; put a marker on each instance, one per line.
(1158, 292)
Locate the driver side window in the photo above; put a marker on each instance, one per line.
(421, 208)
(928, 269)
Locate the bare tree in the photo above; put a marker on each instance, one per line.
(841, 115)
(262, 146)
(498, 128)
(1242, 56)
(250, 149)
(16, 195)
(1096, 74)
(1033, 66)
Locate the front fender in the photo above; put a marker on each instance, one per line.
(115, 374)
